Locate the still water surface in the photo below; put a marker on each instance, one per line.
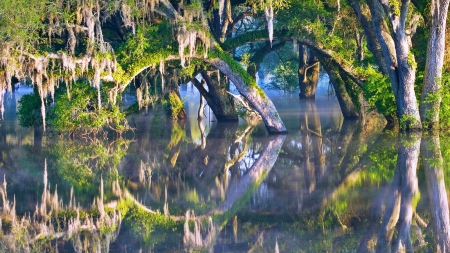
(328, 186)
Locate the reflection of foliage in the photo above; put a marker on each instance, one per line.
(445, 149)
(177, 135)
(151, 227)
(83, 165)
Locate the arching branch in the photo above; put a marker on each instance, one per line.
(284, 35)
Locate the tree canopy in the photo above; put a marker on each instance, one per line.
(372, 50)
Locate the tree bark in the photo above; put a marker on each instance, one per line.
(220, 102)
(372, 42)
(261, 102)
(431, 97)
(308, 73)
(351, 104)
(397, 57)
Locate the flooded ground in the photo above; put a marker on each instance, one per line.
(328, 186)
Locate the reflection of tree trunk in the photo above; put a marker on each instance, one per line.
(391, 214)
(310, 181)
(433, 164)
(255, 174)
(348, 129)
(308, 73)
(376, 211)
(408, 158)
(399, 207)
(334, 176)
(207, 161)
(311, 131)
(37, 137)
(201, 126)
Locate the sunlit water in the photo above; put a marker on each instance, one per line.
(328, 186)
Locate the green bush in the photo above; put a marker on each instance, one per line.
(379, 93)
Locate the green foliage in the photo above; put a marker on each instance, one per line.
(79, 112)
(173, 104)
(84, 165)
(444, 109)
(379, 94)
(29, 111)
(285, 77)
(411, 60)
(252, 36)
(395, 6)
(21, 21)
(245, 61)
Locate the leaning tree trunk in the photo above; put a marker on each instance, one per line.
(254, 95)
(431, 98)
(254, 176)
(391, 214)
(220, 102)
(349, 95)
(308, 73)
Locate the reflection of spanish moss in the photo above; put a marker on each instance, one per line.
(195, 239)
(52, 221)
(145, 174)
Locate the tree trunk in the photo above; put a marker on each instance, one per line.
(431, 97)
(407, 108)
(220, 102)
(201, 109)
(308, 73)
(397, 57)
(350, 103)
(372, 42)
(359, 45)
(254, 95)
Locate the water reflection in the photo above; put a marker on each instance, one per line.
(330, 185)
(434, 174)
